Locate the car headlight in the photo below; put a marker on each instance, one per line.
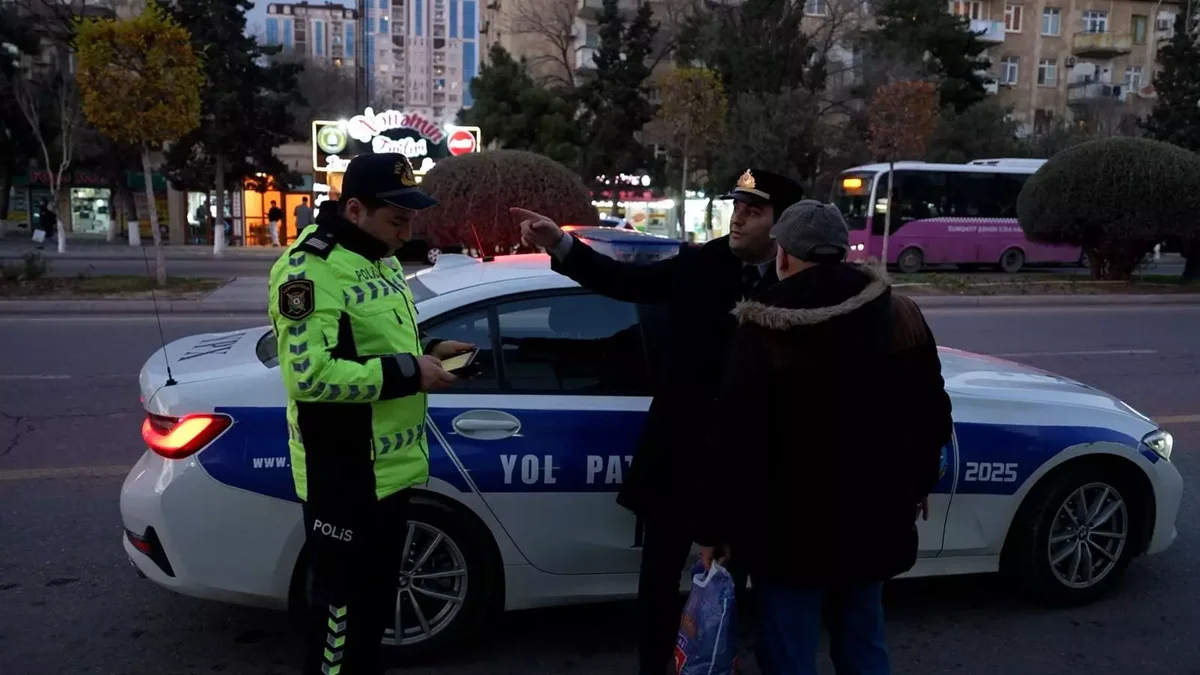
(1161, 442)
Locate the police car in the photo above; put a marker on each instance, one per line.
(1046, 479)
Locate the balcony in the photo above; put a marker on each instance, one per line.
(585, 58)
(590, 9)
(988, 32)
(1101, 45)
(1094, 93)
(992, 87)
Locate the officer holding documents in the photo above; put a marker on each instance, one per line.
(357, 371)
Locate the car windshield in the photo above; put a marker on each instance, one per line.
(851, 195)
(268, 347)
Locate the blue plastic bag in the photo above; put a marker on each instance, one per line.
(707, 639)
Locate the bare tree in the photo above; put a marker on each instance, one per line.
(552, 24)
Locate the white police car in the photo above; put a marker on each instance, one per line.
(1048, 479)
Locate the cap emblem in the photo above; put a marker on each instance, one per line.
(746, 181)
(405, 172)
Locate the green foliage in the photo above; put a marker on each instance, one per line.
(246, 105)
(516, 112)
(614, 101)
(983, 130)
(757, 47)
(1176, 114)
(901, 117)
(1115, 197)
(780, 132)
(476, 190)
(139, 77)
(924, 32)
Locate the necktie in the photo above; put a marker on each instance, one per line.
(750, 278)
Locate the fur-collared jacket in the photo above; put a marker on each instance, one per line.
(828, 431)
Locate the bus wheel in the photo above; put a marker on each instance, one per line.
(911, 260)
(1012, 260)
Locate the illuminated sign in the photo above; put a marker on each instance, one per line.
(422, 140)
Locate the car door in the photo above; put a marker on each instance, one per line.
(548, 428)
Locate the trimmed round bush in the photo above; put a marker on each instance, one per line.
(1116, 198)
(476, 191)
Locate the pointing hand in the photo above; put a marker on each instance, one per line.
(536, 230)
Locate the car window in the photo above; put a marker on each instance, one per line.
(473, 328)
(578, 343)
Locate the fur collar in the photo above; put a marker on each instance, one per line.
(773, 317)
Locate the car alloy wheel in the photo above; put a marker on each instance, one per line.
(432, 587)
(1088, 535)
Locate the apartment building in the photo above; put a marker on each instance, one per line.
(1084, 61)
(323, 33)
(420, 54)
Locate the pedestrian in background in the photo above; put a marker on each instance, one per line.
(303, 215)
(698, 286)
(826, 442)
(274, 216)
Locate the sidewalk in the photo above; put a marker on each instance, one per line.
(248, 295)
(83, 247)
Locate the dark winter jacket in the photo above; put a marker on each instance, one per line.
(696, 290)
(827, 433)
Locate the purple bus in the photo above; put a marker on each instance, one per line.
(959, 214)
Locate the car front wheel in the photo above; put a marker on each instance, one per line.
(1076, 538)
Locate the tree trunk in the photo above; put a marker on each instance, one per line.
(683, 189)
(708, 224)
(219, 222)
(60, 229)
(160, 261)
(887, 216)
(6, 181)
(1191, 266)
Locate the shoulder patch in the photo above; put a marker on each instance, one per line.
(296, 299)
(320, 243)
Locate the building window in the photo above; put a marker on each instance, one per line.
(1133, 78)
(968, 9)
(1139, 25)
(454, 18)
(1009, 69)
(1012, 18)
(1095, 21)
(470, 66)
(816, 7)
(383, 25)
(370, 25)
(287, 33)
(272, 31)
(419, 19)
(320, 37)
(1051, 21)
(350, 43)
(469, 17)
(1047, 73)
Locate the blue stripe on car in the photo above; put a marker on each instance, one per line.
(993, 459)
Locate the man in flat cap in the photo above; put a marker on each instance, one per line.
(357, 370)
(826, 440)
(697, 288)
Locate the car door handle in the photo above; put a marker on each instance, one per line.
(486, 425)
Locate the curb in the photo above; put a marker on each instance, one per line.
(1054, 300)
(9, 307)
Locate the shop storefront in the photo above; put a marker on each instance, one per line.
(91, 209)
(634, 198)
(696, 216)
(422, 140)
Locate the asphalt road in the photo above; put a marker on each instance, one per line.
(70, 603)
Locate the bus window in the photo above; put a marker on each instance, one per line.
(851, 195)
(984, 195)
(916, 195)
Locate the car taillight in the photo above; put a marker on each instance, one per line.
(179, 437)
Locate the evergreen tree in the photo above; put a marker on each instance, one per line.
(614, 102)
(923, 31)
(245, 105)
(1176, 115)
(517, 113)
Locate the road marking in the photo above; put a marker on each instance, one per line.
(1098, 352)
(1177, 419)
(64, 472)
(35, 377)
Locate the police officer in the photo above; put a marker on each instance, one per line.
(357, 371)
(698, 288)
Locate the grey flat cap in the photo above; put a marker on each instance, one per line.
(811, 228)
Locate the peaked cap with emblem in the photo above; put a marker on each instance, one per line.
(763, 188)
(387, 176)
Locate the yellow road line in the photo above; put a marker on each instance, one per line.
(64, 472)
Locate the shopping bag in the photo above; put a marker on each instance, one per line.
(707, 639)
(39, 236)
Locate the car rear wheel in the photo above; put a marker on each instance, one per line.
(450, 583)
(1074, 538)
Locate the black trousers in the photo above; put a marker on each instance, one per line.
(354, 549)
(665, 550)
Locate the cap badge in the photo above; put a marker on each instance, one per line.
(405, 172)
(746, 182)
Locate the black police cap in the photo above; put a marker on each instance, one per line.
(762, 188)
(386, 176)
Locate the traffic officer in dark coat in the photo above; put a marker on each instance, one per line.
(699, 288)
